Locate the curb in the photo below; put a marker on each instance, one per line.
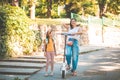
(91, 51)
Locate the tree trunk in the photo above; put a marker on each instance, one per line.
(32, 11)
(83, 13)
(102, 7)
(49, 8)
(15, 2)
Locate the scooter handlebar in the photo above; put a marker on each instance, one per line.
(65, 33)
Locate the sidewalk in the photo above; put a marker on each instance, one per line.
(90, 48)
(57, 73)
(32, 67)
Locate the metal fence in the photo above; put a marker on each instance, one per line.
(95, 20)
(100, 29)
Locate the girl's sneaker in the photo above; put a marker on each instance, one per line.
(51, 74)
(46, 74)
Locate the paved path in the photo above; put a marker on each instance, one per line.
(24, 67)
(98, 65)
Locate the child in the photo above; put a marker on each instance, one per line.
(50, 52)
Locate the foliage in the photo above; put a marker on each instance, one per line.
(16, 36)
(16, 78)
(37, 41)
(41, 10)
(114, 7)
(71, 7)
(83, 7)
(107, 6)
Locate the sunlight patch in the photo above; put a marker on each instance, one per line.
(109, 68)
(85, 63)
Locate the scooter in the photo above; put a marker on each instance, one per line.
(63, 68)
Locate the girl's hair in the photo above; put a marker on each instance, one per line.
(47, 35)
(48, 32)
(71, 27)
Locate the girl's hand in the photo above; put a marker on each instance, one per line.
(55, 54)
(45, 54)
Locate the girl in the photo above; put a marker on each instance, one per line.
(50, 51)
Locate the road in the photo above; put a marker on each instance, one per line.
(98, 65)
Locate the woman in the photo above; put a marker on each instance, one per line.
(50, 51)
(72, 47)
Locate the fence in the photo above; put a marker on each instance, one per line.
(92, 19)
(98, 27)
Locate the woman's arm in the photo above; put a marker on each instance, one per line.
(79, 32)
(66, 26)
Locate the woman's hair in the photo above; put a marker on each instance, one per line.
(71, 27)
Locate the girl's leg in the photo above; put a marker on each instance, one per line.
(52, 62)
(47, 62)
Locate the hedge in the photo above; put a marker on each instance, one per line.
(16, 38)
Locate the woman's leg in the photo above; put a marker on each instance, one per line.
(75, 55)
(68, 54)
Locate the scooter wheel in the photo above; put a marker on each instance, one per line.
(63, 73)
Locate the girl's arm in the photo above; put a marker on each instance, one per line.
(44, 47)
(54, 47)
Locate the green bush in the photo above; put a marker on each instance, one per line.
(16, 78)
(16, 38)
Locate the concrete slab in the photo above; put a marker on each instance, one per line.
(33, 57)
(20, 68)
(12, 77)
(18, 71)
(24, 60)
(21, 65)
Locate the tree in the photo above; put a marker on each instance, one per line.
(87, 7)
(102, 7)
(108, 6)
(82, 7)
(114, 7)
(15, 2)
(32, 4)
(49, 8)
(71, 6)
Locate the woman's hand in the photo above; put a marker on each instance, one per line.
(66, 26)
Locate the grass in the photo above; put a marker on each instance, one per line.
(49, 21)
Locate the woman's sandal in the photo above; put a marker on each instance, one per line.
(74, 73)
(68, 67)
